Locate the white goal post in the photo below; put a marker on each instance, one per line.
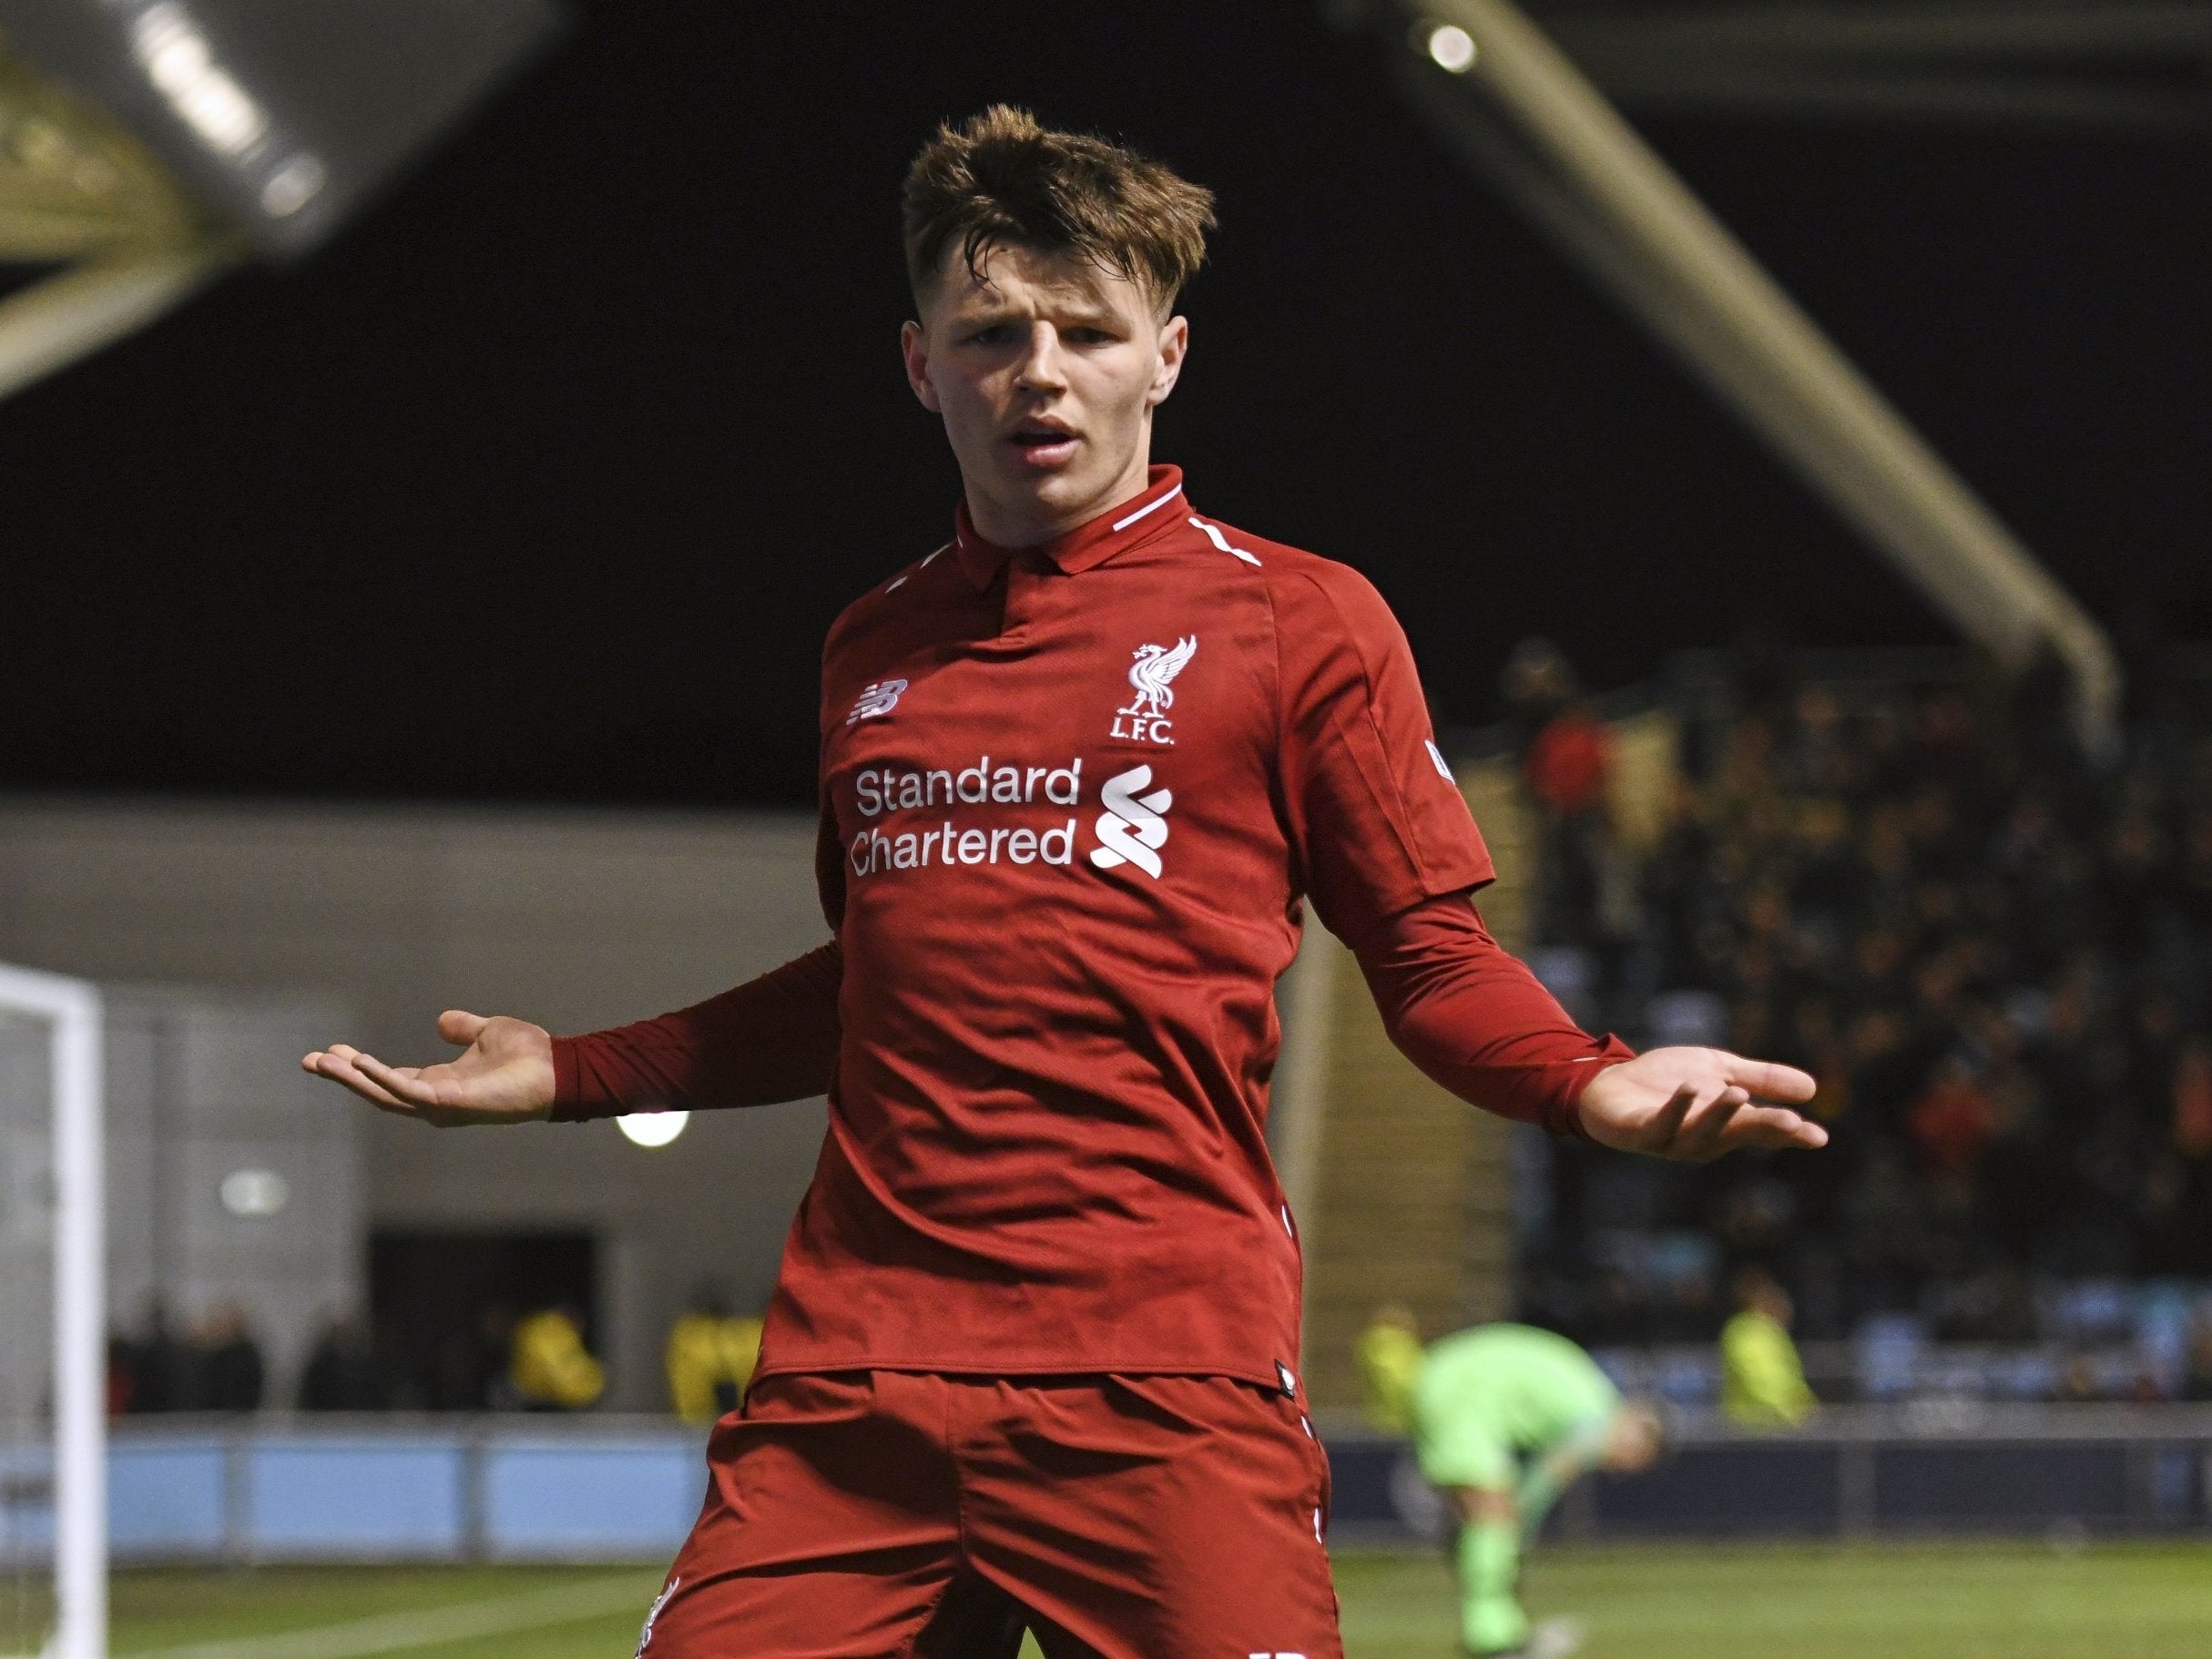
(71, 1010)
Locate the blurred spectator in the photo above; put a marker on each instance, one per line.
(468, 1367)
(2196, 1382)
(1390, 1358)
(1566, 756)
(1951, 1122)
(711, 1357)
(226, 1372)
(2080, 1383)
(1762, 1380)
(550, 1368)
(160, 1365)
(1568, 761)
(343, 1372)
(122, 1373)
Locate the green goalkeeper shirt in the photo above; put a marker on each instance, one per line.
(1491, 1399)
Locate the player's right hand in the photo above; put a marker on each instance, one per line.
(505, 1075)
(1697, 1104)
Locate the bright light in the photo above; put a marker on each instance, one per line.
(254, 1195)
(653, 1129)
(181, 64)
(1453, 47)
(292, 186)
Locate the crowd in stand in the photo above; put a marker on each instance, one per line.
(216, 1365)
(213, 1366)
(538, 1361)
(1990, 941)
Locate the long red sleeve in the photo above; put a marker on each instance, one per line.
(771, 1039)
(1473, 1018)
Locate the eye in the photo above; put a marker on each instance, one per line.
(990, 334)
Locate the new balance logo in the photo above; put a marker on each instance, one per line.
(645, 1639)
(879, 698)
(1131, 830)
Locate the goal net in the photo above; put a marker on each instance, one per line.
(53, 1362)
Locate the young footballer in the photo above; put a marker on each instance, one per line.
(1030, 1358)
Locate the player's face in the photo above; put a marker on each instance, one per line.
(1047, 370)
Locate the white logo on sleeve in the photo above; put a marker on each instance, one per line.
(1436, 760)
(1152, 678)
(880, 697)
(1131, 830)
(645, 1639)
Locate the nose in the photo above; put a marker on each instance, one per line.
(1042, 367)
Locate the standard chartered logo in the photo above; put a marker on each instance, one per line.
(1131, 830)
(940, 818)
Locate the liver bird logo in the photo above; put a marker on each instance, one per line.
(1153, 672)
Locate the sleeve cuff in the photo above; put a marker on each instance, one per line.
(1564, 1117)
(566, 1104)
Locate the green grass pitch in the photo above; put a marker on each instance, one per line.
(1761, 1602)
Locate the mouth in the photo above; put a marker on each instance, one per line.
(1043, 444)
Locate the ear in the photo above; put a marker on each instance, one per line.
(1174, 346)
(913, 345)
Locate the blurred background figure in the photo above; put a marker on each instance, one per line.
(227, 1372)
(711, 1357)
(1566, 764)
(1505, 1419)
(1763, 1380)
(1390, 1362)
(550, 1368)
(2197, 1380)
(156, 1364)
(343, 1371)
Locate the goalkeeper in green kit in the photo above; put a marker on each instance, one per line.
(1504, 1419)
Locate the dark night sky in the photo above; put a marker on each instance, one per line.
(544, 479)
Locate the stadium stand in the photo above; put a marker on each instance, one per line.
(1992, 948)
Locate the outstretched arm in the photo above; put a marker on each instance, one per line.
(504, 1074)
(771, 1039)
(1473, 1018)
(774, 1038)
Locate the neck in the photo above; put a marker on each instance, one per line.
(1031, 523)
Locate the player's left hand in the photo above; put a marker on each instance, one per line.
(1697, 1104)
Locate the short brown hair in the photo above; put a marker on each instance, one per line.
(1004, 178)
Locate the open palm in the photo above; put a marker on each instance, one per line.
(504, 1074)
(1697, 1104)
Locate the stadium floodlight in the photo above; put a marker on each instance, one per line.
(79, 191)
(1522, 114)
(1451, 48)
(73, 1206)
(152, 143)
(282, 118)
(652, 1128)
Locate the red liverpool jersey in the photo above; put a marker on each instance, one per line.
(1072, 797)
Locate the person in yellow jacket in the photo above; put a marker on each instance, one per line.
(1762, 1381)
(1388, 1352)
(711, 1357)
(548, 1366)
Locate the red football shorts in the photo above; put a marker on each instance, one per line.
(868, 1514)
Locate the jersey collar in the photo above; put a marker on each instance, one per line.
(1114, 531)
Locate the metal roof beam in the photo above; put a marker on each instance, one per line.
(1516, 109)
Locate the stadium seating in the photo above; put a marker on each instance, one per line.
(1993, 948)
